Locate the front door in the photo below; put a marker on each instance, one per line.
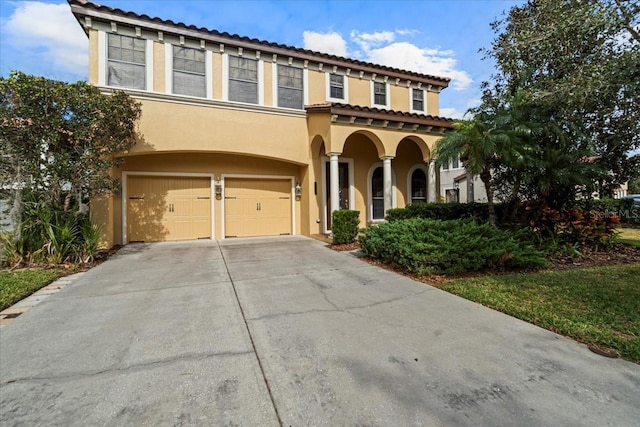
(343, 188)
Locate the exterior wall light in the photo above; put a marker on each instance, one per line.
(298, 191)
(218, 189)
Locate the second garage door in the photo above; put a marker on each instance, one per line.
(257, 207)
(168, 208)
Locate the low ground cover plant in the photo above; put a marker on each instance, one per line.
(427, 246)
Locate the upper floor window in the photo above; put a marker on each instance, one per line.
(243, 79)
(336, 86)
(290, 87)
(417, 99)
(126, 62)
(455, 163)
(380, 93)
(189, 71)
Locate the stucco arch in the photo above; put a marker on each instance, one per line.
(421, 143)
(339, 143)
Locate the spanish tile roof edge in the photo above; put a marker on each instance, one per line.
(439, 81)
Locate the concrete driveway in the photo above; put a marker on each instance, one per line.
(283, 331)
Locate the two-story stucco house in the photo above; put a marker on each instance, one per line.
(243, 137)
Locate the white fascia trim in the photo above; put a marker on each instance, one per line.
(394, 190)
(387, 96)
(127, 174)
(208, 64)
(148, 58)
(250, 176)
(345, 88)
(413, 168)
(168, 68)
(352, 188)
(225, 76)
(424, 101)
(102, 58)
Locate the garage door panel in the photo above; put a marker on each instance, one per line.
(257, 207)
(168, 208)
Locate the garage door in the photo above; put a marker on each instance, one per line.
(163, 208)
(257, 207)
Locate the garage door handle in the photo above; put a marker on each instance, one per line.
(203, 198)
(230, 198)
(136, 198)
(285, 198)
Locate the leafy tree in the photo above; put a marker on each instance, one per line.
(576, 66)
(60, 139)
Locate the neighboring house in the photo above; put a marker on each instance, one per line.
(242, 137)
(455, 185)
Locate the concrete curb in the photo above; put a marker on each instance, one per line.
(9, 314)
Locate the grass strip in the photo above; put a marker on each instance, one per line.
(598, 306)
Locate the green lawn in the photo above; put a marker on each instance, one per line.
(16, 285)
(630, 236)
(599, 306)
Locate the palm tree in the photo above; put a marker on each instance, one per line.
(476, 144)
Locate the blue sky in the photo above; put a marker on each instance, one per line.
(432, 37)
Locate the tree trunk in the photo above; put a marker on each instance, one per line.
(485, 176)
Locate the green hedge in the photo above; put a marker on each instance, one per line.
(344, 226)
(441, 211)
(427, 246)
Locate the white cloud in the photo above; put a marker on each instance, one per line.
(330, 42)
(451, 113)
(366, 41)
(50, 32)
(408, 56)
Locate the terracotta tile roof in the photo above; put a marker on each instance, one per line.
(83, 7)
(380, 114)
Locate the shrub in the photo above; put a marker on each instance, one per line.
(624, 209)
(344, 226)
(426, 246)
(48, 235)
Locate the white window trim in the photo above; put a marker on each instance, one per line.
(424, 101)
(225, 80)
(345, 88)
(102, 62)
(415, 167)
(208, 66)
(387, 97)
(352, 188)
(168, 72)
(274, 86)
(223, 224)
(124, 198)
(394, 197)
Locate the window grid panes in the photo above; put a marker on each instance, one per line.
(336, 86)
(126, 61)
(290, 87)
(379, 93)
(418, 99)
(377, 194)
(243, 80)
(455, 164)
(189, 71)
(418, 186)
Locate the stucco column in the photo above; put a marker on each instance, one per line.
(334, 181)
(431, 183)
(387, 183)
